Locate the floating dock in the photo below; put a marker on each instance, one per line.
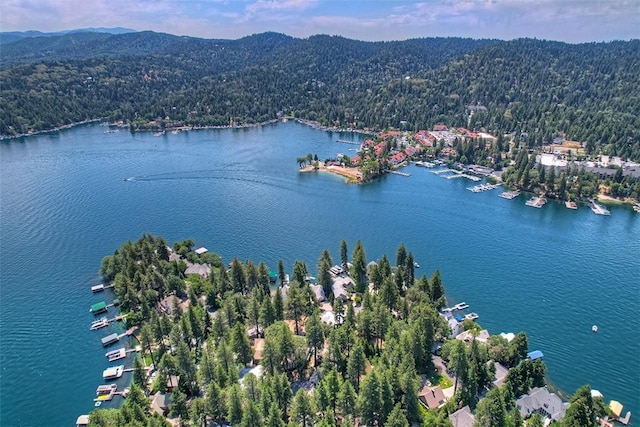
(536, 202)
(400, 173)
(509, 194)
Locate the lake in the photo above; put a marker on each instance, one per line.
(551, 272)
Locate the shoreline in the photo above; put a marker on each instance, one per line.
(353, 175)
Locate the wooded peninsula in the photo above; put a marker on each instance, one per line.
(363, 343)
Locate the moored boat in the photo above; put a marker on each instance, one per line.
(570, 204)
(117, 354)
(599, 209)
(100, 323)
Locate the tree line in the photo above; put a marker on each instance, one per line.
(536, 90)
(366, 366)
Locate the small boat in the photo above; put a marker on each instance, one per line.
(416, 265)
(100, 323)
(571, 205)
(636, 207)
(471, 316)
(599, 209)
(113, 373)
(117, 354)
(594, 328)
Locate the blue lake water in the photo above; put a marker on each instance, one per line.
(551, 272)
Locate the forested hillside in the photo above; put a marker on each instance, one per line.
(538, 89)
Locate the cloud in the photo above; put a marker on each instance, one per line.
(568, 20)
(280, 5)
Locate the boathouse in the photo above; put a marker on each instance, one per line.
(535, 355)
(110, 339)
(99, 307)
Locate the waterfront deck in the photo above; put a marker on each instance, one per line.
(509, 195)
(536, 202)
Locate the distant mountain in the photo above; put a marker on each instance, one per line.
(11, 36)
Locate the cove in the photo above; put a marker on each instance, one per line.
(551, 272)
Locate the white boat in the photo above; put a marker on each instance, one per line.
(599, 209)
(594, 328)
(461, 306)
(117, 354)
(471, 316)
(100, 323)
(113, 373)
(416, 265)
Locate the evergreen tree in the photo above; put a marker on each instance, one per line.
(315, 335)
(344, 258)
(359, 269)
(397, 418)
(302, 410)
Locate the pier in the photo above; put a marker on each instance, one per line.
(400, 173)
(344, 141)
(441, 171)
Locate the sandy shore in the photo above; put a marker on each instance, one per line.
(352, 174)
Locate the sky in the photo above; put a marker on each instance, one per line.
(573, 21)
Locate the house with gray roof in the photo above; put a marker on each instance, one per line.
(462, 418)
(540, 400)
(203, 270)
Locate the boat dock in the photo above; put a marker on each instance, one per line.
(510, 194)
(441, 171)
(99, 288)
(110, 339)
(400, 173)
(536, 202)
(344, 141)
(599, 209)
